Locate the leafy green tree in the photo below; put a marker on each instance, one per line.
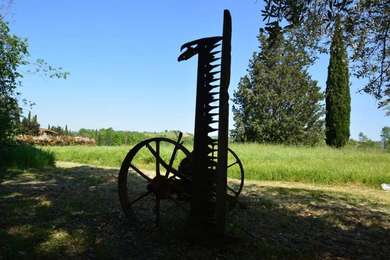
(277, 101)
(386, 137)
(338, 98)
(366, 27)
(14, 55)
(13, 52)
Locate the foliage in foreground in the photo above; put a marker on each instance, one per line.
(277, 101)
(14, 55)
(338, 98)
(367, 28)
(369, 167)
(23, 156)
(13, 51)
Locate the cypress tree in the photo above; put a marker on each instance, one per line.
(35, 125)
(338, 99)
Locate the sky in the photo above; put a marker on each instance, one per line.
(122, 59)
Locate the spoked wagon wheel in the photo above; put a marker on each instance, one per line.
(148, 176)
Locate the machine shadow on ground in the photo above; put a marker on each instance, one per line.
(74, 213)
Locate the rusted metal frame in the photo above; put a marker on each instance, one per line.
(223, 129)
(200, 198)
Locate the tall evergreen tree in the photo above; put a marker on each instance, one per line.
(30, 125)
(277, 101)
(35, 126)
(385, 134)
(338, 98)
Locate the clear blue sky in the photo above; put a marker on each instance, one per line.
(122, 56)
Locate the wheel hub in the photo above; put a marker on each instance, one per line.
(161, 186)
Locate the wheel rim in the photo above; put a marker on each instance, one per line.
(235, 173)
(138, 196)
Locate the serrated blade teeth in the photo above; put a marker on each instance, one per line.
(209, 108)
(210, 129)
(210, 87)
(216, 45)
(211, 140)
(214, 73)
(211, 98)
(213, 60)
(213, 80)
(210, 67)
(211, 150)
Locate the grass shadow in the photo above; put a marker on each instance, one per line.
(74, 213)
(24, 156)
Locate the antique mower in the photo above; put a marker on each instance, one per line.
(211, 177)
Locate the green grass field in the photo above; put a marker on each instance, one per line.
(322, 165)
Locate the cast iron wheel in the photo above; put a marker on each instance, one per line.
(141, 197)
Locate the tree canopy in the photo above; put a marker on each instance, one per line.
(366, 22)
(13, 53)
(277, 101)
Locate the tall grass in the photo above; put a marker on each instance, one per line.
(323, 165)
(23, 156)
(315, 164)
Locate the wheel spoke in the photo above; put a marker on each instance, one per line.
(161, 161)
(140, 197)
(232, 164)
(158, 161)
(173, 156)
(156, 155)
(140, 172)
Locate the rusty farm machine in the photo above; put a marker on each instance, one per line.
(199, 178)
